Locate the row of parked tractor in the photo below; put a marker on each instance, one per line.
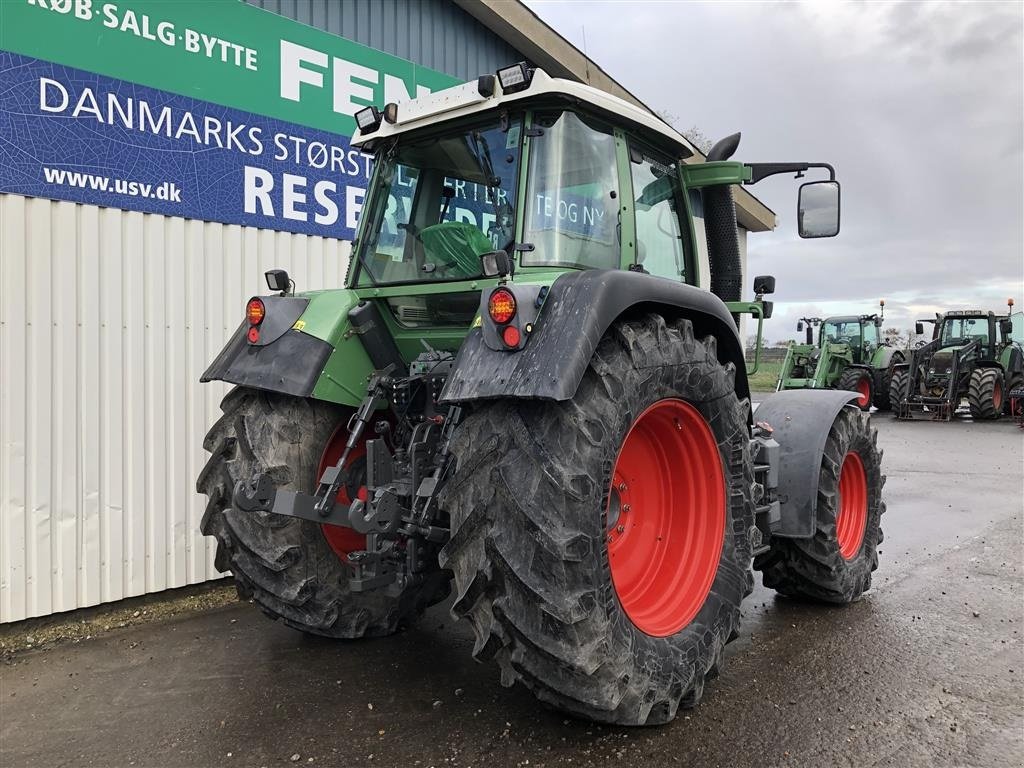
(973, 355)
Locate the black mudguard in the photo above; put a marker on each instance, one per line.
(800, 420)
(576, 313)
(284, 360)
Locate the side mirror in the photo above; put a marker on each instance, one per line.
(919, 329)
(799, 325)
(764, 284)
(817, 210)
(496, 264)
(1006, 328)
(278, 280)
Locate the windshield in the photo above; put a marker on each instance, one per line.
(571, 207)
(960, 330)
(841, 331)
(440, 203)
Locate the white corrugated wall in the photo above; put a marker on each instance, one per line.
(107, 320)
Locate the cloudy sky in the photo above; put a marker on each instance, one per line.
(918, 106)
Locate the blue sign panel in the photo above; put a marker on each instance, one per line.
(66, 134)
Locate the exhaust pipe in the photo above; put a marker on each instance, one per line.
(720, 226)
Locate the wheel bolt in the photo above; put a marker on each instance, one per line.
(620, 528)
(625, 508)
(622, 487)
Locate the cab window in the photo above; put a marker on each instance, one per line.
(571, 210)
(657, 198)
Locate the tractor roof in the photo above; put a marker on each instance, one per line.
(486, 94)
(848, 318)
(969, 313)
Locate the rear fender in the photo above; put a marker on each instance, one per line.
(307, 348)
(575, 314)
(800, 420)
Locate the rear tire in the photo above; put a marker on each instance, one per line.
(1016, 382)
(835, 564)
(883, 396)
(985, 394)
(858, 380)
(285, 564)
(529, 549)
(898, 384)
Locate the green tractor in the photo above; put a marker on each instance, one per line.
(849, 355)
(531, 392)
(973, 355)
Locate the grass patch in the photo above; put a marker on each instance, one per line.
(765, 378)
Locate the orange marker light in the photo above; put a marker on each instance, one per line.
(511, 336)
(255, 311)
(502, 306)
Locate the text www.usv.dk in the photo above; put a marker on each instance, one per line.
(166, 190)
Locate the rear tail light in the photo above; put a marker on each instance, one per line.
(255, 311)
(511, 336)
(502, 306)
(253, 335)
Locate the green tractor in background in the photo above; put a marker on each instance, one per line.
(973, 355)
(531, 392)
(850, 355)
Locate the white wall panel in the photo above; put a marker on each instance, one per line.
(107, 320)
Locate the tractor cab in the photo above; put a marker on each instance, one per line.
(858, 333)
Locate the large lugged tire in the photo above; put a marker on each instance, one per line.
(285, 564)
(835, 564)
(598, 619)
(985, 393)
(857, 380)
(899, 382)
(883, 395)
(1015, 381)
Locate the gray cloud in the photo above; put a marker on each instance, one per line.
(919, 107)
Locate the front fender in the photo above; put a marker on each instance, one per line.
(578, 310)
(800, 420)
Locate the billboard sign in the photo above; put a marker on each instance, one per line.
(213, 110)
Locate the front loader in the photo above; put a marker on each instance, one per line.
(531, 392)
(849, 355)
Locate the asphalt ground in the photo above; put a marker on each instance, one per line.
(925, 670)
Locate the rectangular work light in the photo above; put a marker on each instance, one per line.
(368, 119)
(515, 78)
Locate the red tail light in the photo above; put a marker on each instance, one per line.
(255, 311)
(511, 336)
(501, 306)
(253, 335)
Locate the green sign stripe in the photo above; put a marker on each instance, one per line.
(221, 51)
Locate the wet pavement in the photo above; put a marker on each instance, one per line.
(926, 670)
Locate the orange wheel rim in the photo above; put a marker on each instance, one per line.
(666, 517)
(853, 506)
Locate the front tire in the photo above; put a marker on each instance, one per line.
(858, 380)
(883, 397)
(836, 563)
(563, 610)
(985, 393)
(284, 564)
(899, 383)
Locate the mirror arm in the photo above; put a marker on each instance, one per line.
(760, 171)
